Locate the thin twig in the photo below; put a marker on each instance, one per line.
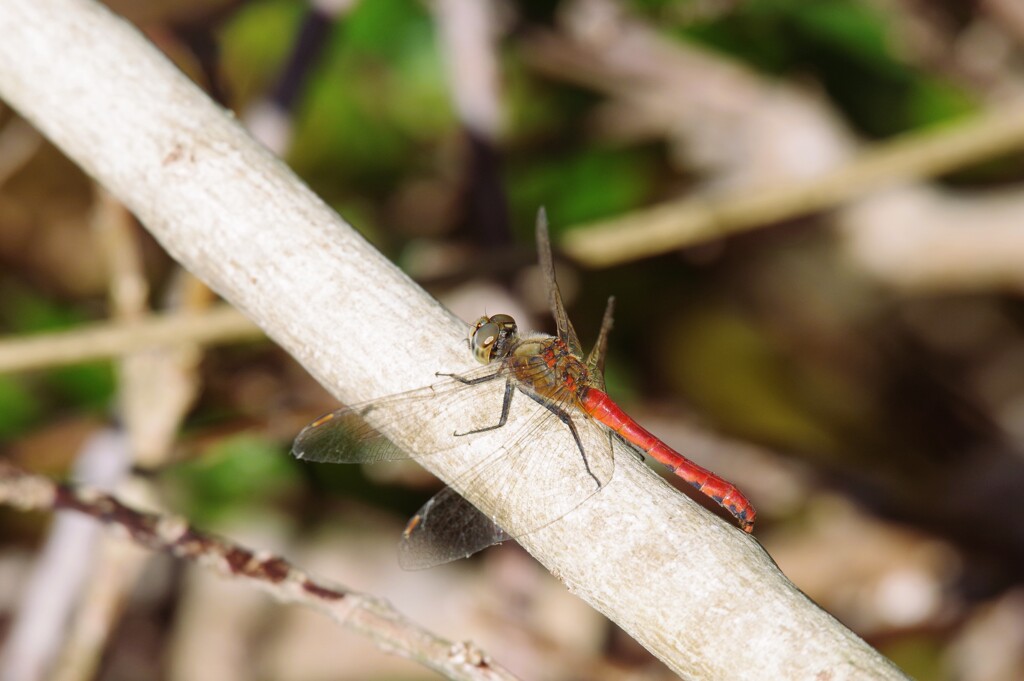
(362, 613)
(107, 340)
(691, 221)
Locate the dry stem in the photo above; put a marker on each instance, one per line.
(106, 340)
(365, 614)
(691, 221)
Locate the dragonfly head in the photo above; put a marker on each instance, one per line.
(492, 338)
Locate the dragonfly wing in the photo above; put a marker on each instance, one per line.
(547, 265)
(542, 466)
(595, 360)
(360, 433)
(344, 436)
(541, 455)
(447, 528)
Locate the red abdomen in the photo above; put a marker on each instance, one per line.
(601, 407)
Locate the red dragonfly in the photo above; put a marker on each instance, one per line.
(572, 461)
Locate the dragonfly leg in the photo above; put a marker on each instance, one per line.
(471, 381)
(506, 404)
(564, 417)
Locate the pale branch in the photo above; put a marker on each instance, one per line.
(700, 594)
(110, 340)
(368, 615)
(694, 220)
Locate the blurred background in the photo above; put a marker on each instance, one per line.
(811, 216)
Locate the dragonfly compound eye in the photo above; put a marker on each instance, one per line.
(492, 337)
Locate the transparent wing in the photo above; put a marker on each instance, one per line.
(354, 434)
(565, 330)
(542, 462)
(595, 360)
(447, 528)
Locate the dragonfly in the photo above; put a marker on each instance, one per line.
(565, 450)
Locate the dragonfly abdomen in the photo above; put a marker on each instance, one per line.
(601, 407)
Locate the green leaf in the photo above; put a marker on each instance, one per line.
(19, 408)
(236, 472)
(581, 187)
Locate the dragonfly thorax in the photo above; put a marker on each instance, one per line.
(492, 338)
